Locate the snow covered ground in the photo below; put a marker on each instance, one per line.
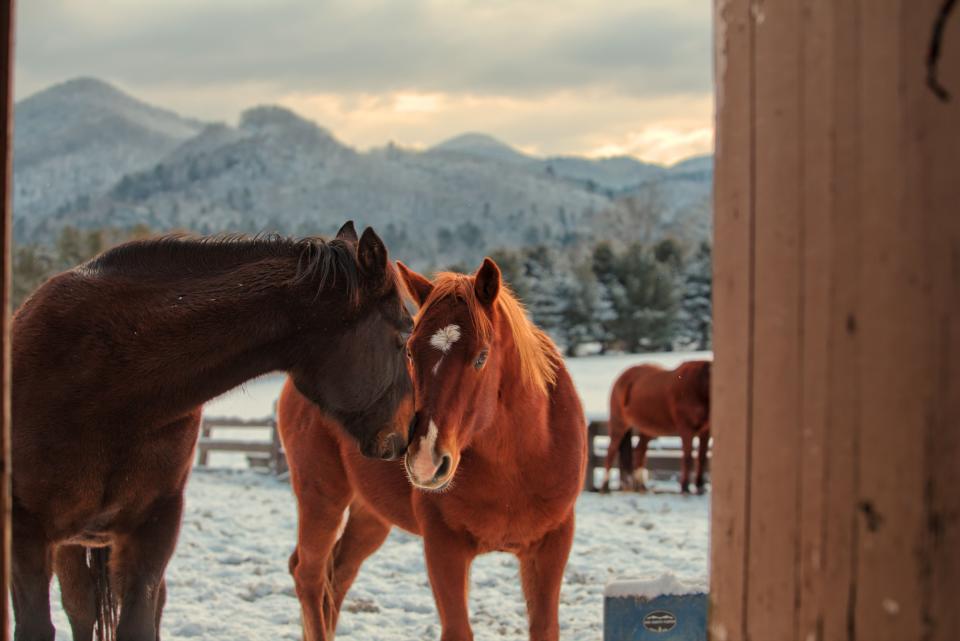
(228, 579)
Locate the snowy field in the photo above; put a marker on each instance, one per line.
(228, 579)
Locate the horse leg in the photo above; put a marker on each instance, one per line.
(618, 431)
(702, 460)
(449, 556)
(686, 439)
(363, 536)
(541, 572)
(640, 463)
(77, 589)
(31, 580)
(138, 562)
(321, 509)
(161, 601)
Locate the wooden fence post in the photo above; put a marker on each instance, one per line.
(836, 398)
(6, 204)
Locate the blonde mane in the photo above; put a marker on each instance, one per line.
(539, 358)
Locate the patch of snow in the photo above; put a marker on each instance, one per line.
(647, 589)
(228, 578)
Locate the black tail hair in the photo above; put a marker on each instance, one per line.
(625, 449)
(108, 609)
(625, 446)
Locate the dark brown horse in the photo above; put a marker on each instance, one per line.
(496, 461)
(658, 402)
(112, 362)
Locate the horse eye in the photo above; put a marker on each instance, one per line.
(481, 359)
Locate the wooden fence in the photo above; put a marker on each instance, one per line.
(662, 462)
(266, 454)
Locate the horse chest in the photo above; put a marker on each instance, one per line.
(507, 521)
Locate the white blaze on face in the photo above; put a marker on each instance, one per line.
(445, 338)
(426, 461)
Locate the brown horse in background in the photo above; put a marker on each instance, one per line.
(658, 402)
(112, 362)
(496, 461)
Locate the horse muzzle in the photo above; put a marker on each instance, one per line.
(428, 468)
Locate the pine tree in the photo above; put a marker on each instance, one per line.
(640, 291)
(543, 281)
(695, 319)
(581, 318)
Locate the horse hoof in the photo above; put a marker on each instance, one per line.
(701, 489)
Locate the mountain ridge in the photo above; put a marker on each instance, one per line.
(279, 171)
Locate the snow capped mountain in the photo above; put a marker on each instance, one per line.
(88, 155)
(78, 137)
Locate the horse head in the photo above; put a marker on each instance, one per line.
(472, 350)
(353, 365)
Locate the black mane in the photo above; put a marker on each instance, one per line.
(318, 260)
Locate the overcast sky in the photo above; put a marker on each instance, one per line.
(586, 77)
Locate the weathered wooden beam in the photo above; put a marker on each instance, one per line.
(6, 204)
(836, 400)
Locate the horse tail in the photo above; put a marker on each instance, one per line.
(620, 433)
(107, 607)
(625, 453)
(328, 601)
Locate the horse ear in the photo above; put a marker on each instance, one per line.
(348, 232)
(418, 286)
(487, 282)
(372, 256)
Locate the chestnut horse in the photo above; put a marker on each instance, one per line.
(112, 362)
(658, 402)
(496, 461)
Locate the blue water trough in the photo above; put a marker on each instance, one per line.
(663, 609)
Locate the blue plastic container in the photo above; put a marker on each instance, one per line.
(633, 615)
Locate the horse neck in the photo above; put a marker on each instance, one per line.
(208, 335)
(520, 426)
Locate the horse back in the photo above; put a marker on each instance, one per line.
(653, 399)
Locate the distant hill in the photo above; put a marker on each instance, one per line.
(88, 155)
(79, 137)
(480, 146)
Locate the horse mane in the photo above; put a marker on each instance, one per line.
(322, 261)
(539, 358)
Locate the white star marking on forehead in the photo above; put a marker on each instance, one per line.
(445, 338)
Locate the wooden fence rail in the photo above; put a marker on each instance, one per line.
(267, 454)
(661, 461)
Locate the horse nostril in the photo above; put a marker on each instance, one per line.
(444, 467)
(393, 448)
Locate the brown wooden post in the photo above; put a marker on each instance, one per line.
(836, 400)
(278, 459)
(6, 140)
(593, 429)
(205, 431)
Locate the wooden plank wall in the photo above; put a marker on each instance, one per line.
(836, 412)
(6, 204)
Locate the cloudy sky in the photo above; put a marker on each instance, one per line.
(591, 77)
